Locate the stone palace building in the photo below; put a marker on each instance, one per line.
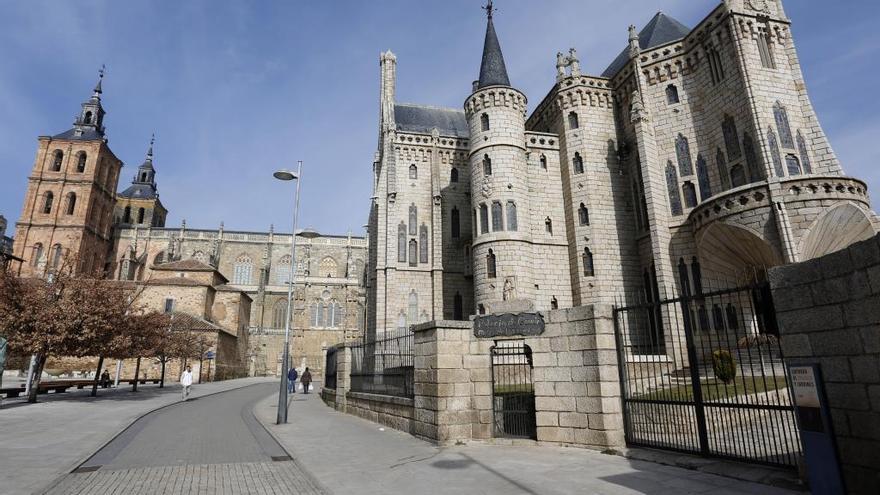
(72, 207)
(694, 160)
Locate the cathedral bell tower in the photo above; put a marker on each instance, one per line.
(139, 204)
(495, 111)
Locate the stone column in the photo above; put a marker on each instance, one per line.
(343, 375)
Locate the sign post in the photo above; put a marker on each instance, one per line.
(814, 423)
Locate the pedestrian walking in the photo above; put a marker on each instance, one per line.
(186, 380)
(291, 380)
(306, 380)
(105, 379)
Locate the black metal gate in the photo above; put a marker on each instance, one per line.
(513, 393)
(705, 374)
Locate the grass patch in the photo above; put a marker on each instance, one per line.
(714, 389)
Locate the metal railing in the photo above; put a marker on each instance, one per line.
(384, 366)
(705, 374)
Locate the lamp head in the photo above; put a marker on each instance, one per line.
(285, 175)
(308, 233)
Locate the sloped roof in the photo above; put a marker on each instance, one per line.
(186, 321)
(660, 30)
(88, 135)
(139, 191)
(423, 118)
(187, 265)
(177, 281)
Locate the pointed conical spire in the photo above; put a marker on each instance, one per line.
(493, 72)
(98, 90)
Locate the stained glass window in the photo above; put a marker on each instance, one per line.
(672, 189)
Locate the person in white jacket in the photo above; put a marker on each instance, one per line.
(186, 380)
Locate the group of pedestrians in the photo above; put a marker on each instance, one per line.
(186, 381)
(305, 380)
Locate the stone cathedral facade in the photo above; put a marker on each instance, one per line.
(695, 159)
(72, 210)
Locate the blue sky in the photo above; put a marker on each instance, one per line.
(235, 90)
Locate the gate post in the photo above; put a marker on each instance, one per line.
(693, 365)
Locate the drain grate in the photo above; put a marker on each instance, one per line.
(85, 469)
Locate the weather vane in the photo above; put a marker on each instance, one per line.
(489, 9)
(103, 67)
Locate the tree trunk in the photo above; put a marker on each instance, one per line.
(137, 370)
(162, 378)
(38, 371)
(97, 376)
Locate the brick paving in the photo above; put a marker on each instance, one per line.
(208, 445)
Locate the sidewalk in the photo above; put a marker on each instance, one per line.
(348, 455)
(43, 441)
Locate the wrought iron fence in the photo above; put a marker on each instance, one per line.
(384, 366)
(705, 374)
(330, 368)
(513, 392)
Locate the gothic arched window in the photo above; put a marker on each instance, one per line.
(548, 225)
(71, 203)
(697, 273)
(487, 165)
(484, 122)
(544, 161)
(497, 218)
(731, 138)
(413, 252)
(457, 307)
(282, 270)
(737, 176)
(412, 314)
(56, 256)
(792, 164)
(87, 118)
(683, 154)
(413, 171)
(401, 242)
(589, 270)
(511, 216)
(690, 194)
(81, 162)
(584, 215)
(48, 198)
(141, 212)
(703, 178)
(573, 120)
(320, 315)
(484, 218)
(578, 163)
(38, 254)
(242, 270)
(423, 241)
(453, 175)
(672, 189)
(279, 314)
(782, 125)
(722, 170)
(672, 94)
(774, 153)
(126, 215)
(490, 264)
(455, 223)
(805, 155)
(752, 162)
(413, 219)
(56, 162)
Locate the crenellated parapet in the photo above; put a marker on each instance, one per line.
(495, 97)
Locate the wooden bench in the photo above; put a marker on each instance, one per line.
(57, 386)
(142, 381)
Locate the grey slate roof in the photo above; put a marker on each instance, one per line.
(139, 191)
(421, 118)
(493, 72)
(660, 30)
(89, 135)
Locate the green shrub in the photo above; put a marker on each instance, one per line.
(724, 366)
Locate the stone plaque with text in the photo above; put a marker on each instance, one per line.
(509, 325)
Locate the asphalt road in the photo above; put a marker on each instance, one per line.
(211, 444)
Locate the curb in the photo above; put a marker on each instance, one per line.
(74, 466)
(320, 486)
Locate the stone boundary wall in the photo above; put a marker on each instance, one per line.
(575, 376)
(829, 314)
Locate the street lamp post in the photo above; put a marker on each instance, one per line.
(285, 362)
